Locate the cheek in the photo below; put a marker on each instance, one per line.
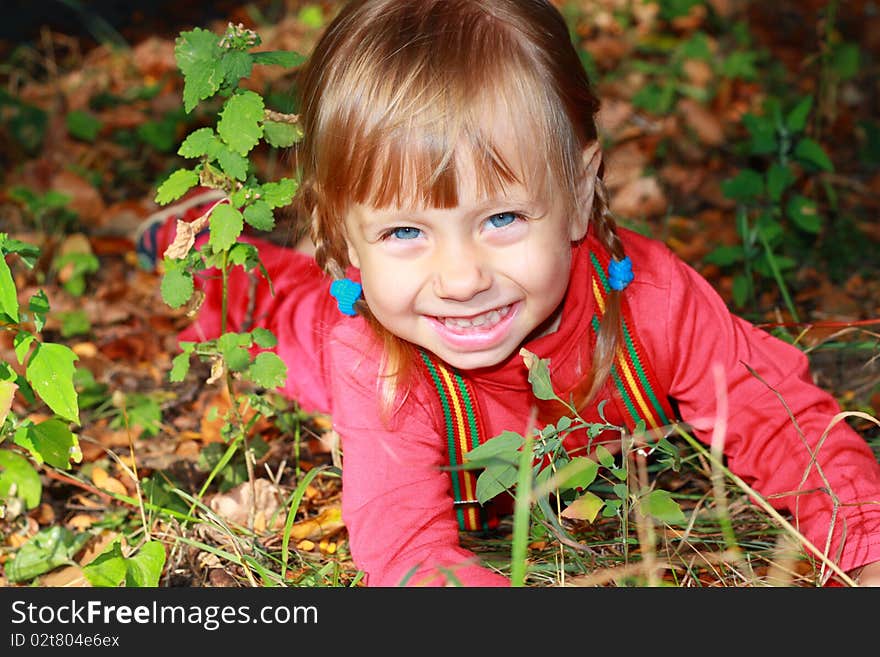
(549, 266)
(387, 288)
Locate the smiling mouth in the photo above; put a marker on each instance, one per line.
(482, 321)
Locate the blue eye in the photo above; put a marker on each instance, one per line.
(404, 233)
(502, 219)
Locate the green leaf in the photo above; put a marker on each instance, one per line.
(233, 346)
(83, 125)
(111, 568)
(235, 65)
(39, 306)
(22, 344)
(586, 507)
(504, 447)
(264, 338)
(280, 193)
(8, 293)
(809, 151)
(197, 143)
(28, 253)
(802, 211)
(16, 471)
(741, 290)
(240, 121)
(145, 567)
(495, 479)
(725, 255)
(779, 178)
(746, 185)
(245, 255)
(660, 505)
(580, 472)
(763, 134)
(845, 60)
(47, 549)
(268, 371)
(232, 163)
(179, 367)
(260, 216)
(108, 568)
(605, 457)
(198, 57)
(226, 225)
(176, 185)
(282, 135)
(50, 373)
(539, 375)
(286, 58)
(671, 9)
(740, 64)
(796, 120)
(311, 16)
(7, 392)
(177, 287)
(655, 98)
(50, 441)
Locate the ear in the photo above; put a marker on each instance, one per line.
(352, 254)
(591, 160)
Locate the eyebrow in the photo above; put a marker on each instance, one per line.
(390, 214)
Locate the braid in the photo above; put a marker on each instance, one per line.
(604, 229)
(609, 334)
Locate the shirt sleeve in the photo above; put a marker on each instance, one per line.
(781, 435)
(291, 299)
(396, 502)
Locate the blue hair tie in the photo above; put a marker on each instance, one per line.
(346, 292)
(620, 273)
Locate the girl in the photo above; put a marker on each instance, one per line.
(452, 183)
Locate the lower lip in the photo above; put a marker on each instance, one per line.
(476, 338)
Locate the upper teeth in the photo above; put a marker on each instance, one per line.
(486, 319)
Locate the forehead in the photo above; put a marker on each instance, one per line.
(490, 157)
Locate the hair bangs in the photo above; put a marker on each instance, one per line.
(397, 126)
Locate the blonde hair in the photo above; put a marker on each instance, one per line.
(394, 87)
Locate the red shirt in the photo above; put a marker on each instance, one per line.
(397, 504)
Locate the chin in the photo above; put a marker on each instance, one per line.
(476, 360)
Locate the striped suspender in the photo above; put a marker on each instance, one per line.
(464, 432)
(631, 372)
(633, 377)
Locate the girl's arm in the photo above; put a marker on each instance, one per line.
(777, 421)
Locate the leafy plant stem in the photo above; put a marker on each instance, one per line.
(777, 275)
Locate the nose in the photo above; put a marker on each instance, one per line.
(461, 274)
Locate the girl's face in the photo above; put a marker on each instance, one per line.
(469, 283)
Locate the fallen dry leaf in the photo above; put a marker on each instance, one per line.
(67, 576)
(705, 123)
(639, 199)
(328, 522)
(85, 200)
(235, 505)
